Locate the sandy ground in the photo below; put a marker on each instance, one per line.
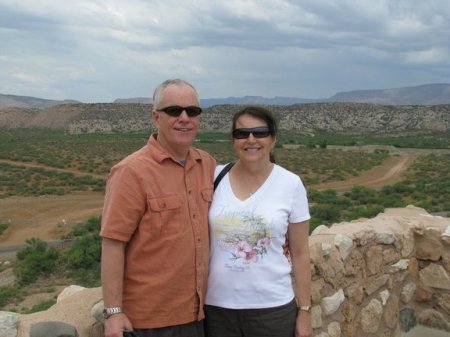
(46, 217)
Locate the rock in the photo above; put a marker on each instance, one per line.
(374, 259)
(391, 312)
(408, 292)
(53, 329)
(423, 293)
(428, 245)
(400, 265)
(433, 319)
(390, 255)
(344, 245)
(97, 311)
(68, 291)
(384, 296)
(317, 287)
(355, 293)
(326, 249)
(371, 316)
(332, 303)
(375, 283)
(435, 276)
(319, 230)
(443, 303)
(385, 238)
(407, 319)
(334, 329)
(8, 324)
(316, 317)
(351, 319)
(73, 310)
(97, 330)
(354, 264)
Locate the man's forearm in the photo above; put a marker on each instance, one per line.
(112, 263)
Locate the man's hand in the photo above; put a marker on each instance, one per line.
(116, 325)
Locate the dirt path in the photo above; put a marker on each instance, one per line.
(34, 165)
(390, 172)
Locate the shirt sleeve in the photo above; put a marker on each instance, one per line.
(299, 207)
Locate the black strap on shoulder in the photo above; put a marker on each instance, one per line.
(222, 174)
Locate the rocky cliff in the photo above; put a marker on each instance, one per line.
(332, 117)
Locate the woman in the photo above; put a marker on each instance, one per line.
(250, 291)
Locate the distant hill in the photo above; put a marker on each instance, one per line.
(349, 118)
(247, 100)
(133, 100)
(428, 94)
(7, 101)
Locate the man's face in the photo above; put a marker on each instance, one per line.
(176, 134)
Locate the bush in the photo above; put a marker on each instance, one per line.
(3, 227)
(82, 259)
(6, 294)
(35, 260)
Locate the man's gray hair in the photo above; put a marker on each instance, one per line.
(158, 94)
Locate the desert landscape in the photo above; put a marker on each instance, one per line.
(48, 217)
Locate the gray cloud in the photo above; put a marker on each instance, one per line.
(99, 50)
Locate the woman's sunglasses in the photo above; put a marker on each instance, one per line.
(244, 133)
(176, 110)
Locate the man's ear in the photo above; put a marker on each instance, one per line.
(155, 118)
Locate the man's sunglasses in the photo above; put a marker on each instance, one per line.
(176, 110)
(244, 133)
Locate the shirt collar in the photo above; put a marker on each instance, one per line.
(160, 154)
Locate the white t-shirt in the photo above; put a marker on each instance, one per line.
(247, 266)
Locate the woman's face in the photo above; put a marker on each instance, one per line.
(253, 149)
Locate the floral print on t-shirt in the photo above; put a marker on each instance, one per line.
(245, 237)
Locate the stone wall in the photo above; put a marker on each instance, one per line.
(382, 276)
(372, 277)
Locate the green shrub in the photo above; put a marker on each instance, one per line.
(6, 294)
(35, 260)
(3, 227)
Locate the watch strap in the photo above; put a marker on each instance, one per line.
(107, 312)
(306, 308)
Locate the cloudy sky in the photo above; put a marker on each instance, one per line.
(100, 50)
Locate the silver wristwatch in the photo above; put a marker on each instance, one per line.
(108, 312)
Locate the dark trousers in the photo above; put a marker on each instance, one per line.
(267, 322)
(193, 329)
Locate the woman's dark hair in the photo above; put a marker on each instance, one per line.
(260, 113)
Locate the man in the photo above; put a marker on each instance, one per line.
(155, 243)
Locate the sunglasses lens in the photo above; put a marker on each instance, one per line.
(261, 134)
(173, 111)
(240, 134)
(193, 111)
(256, 132)
(176, 110)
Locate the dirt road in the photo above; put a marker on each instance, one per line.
(391, 172)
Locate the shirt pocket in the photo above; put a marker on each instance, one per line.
(165, 215)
